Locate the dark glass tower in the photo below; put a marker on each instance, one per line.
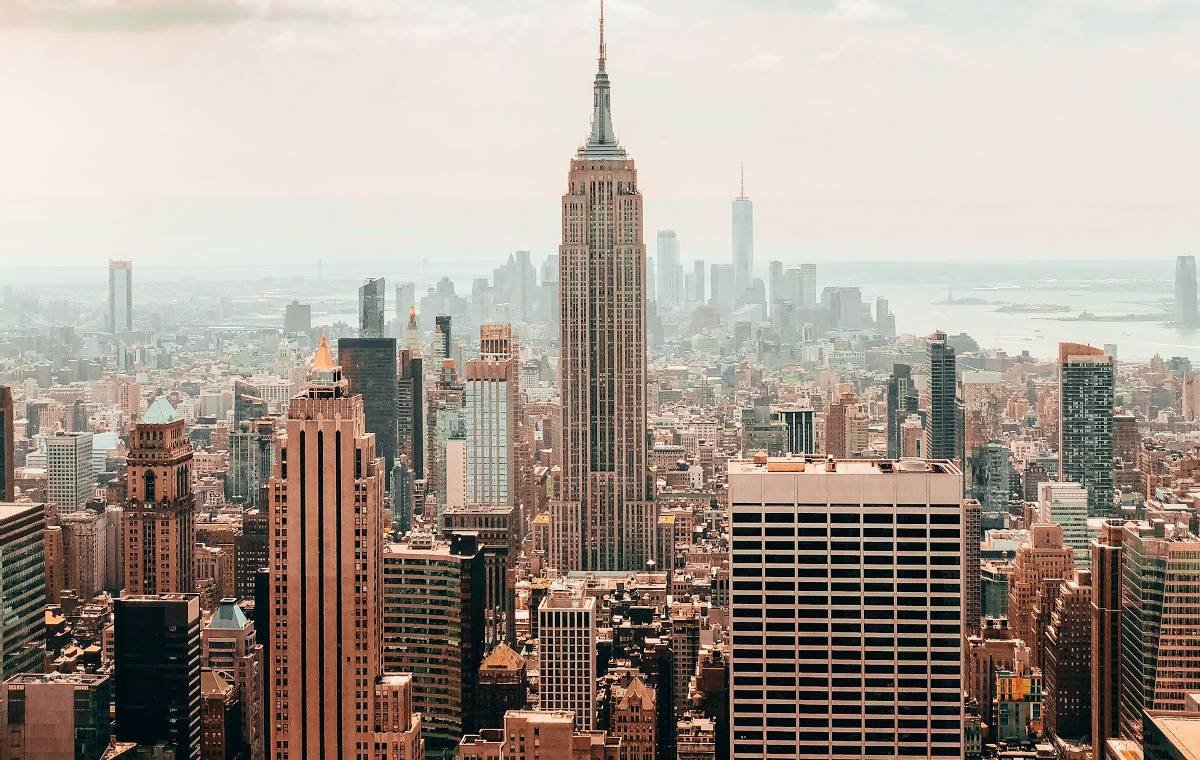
(370, 366)
(371, 298)
(1085, 428)
(157, 667)
(941, 434)
(410, 396)
(6, 444)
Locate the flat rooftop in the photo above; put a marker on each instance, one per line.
(819, 466)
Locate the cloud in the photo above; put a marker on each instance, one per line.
(864, 11)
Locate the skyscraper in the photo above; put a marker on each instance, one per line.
(604, 519)
(743, 243)
(7, 486)
(775, 284)
(567, 641)
(941, 435)
(722, 294)
(1106, 632)
(369, 366)
(22, 588)
(1160, 603)
(327, 535)
(69, 476)
(846, 609)
(406, 298)
(1085, 425)
(491, 410)
(443, 340)
(901, 402)
(120, 297)
(160, 515)
(410, 401)
(372, 297)
(1185, 290)
(156, 661)
(698, 280)
(670, 272)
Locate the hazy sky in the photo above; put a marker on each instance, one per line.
(286, 130)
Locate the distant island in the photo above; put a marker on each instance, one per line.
(1033, 308)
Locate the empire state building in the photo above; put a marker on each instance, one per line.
(604, 519)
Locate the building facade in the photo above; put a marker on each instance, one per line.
(1085, 427)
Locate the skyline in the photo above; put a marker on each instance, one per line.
(286, 130)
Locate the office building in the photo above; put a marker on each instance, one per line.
(491, 410)
(69, 476)
(1085, 425)
(229, 645)
(55, 716)
(669, 271)
(1041, 556)
(941, 434)
(22, 588)
(499, 540)
(743, 244)
(722, 296)
(1067, 663)
(156, 661)
(85, 552)
(604, 519)
(1105, 672)
(327, 501)
(410, 415)
(251, 550)
(1067, 505)
(371, 308)
(251, 453)
(297, 318)
(503, 683)
(1185, 291)
(1160, 606)
(846, 619)
(406, 299)
(902, 400)
(369, 366)
(433, 628)
(159, 518)
(7, 470)
(120, 297)
(801, 430)
(443, 339)
(567, 655)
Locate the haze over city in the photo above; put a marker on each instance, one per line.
(375, 130)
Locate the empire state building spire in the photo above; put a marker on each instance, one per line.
(602, 142)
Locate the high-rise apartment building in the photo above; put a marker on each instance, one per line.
(159, 518)
(55, 716)
(846, 609)
(1160, 607)
(1085, 423)
(22, 588)
(372, 296)
(433, 628)
(669, 271)
(156, 661)
(743, 244)
(7, 485)
(369, 366)
(604, 519)
(1185, 291)
(120, 297)
(326, 593)
(69, 475)
(567, 655)
(942, 431)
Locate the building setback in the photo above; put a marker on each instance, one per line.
(604, 519)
